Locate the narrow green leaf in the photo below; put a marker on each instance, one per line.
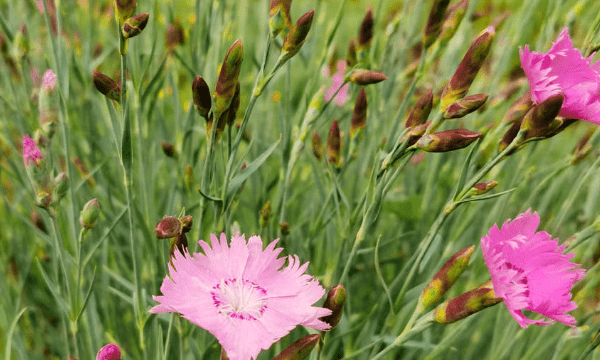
(154, 80)
(6, 29)
(208, 197)
(11, 330)
(486, 197)
(380, 276)
(126, 152)
(237, 180)
(437, 240)
(108, 231)
(87, 296)
(465, 170)
(62, 304)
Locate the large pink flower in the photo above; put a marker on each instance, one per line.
(564, 70)
(31, 153)
(337, 80)
(529, 270)
(241, 294)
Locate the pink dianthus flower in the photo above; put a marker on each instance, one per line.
(109, 352)
(49, 81)
(564, 70)
(529, 271)
(241, 294)
(31, 151)
(337, 80)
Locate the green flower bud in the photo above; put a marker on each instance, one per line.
(434, 22)
(168, 227)
(107, 86)
(334, 145)
(336, 298)
(20, 43)
(186, 223)
(284, 228)
(466, 304)
(462, 79)
(124, 9)
(300, 349)
(228, 77)
(367, 77)
(134, 25)
(89, 214)
(297, 35)
(464, 106)
(421, 111)
(312, 113)
(444, 279)
(359, 115)
(276, 23)
(61, 185)
(279, 16)
(448, 140)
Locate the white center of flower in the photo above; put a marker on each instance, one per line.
(239, 299)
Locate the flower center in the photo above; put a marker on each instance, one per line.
(239, 299)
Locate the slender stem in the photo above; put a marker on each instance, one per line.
(425, 322)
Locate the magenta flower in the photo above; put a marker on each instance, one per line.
(241, 294)
(337, 80)
(49, 81)
(564, 70)
(529, 270)
(31, 151)
(109, 352)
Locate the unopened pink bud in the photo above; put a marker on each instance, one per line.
(109, 352)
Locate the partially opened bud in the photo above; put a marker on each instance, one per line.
(336, 298)
(365, 35)
(448, 140)
(168, 149)
(464, 106)
(201, 96)
(462, 79)
(334, 145)
(107, 86)
(300, 349)
(367, 77)
(454, 16)
(540, 120)
(483, 187)
(89, 214)
(519, 108)
(279, 16)
(228, 77)
(297, 35)
(134, 25)
(359, 115)
(351, 56)
(317, 145)
(168, 227)
(434, 22)
(444, 279)
(124, 9)
(421, 111)
(466, 304)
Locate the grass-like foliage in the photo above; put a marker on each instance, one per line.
(379, 141)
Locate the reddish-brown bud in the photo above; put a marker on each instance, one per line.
(466, 304)
(124, 9)
(180, 243)
(453, 18)
(300, 349)
(540, 120)
(317, 145)
(336, 298)
(415, 133)
(228, 77)
(448, 140)
(186, 223)
(168, 227)
(334, 145)
(421, 111)
(359, 115)
(234, 106)
(297, 35)
(201, 96)
(367, 77)
(365, 35)
(464, 106)
(519, 108)
(107, 86)
(434, 22)
(351, 57)
(168, 149)
(265, 215)
(509, 135)
(484, 186)
(174, 36)
(135, 25)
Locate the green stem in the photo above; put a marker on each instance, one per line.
(425, 322)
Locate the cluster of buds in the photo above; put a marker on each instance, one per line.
(130, 25)
(171, 227)
(227, 92)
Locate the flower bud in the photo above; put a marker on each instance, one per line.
(297, 35)
(186, 223)
(201, 96)
(228, 77)
(89, 214)
(37, 220)
(336, 297)
(351, 56)
(110, 351)
(334, 145)
(367, 77)
(168, 149)
(448, 140)
(464, 106)
(466, 304)
(359, 115)
(134, 25)
(540, 120)
(317, 145)
(20, 43)
(174, 36)
(454, 16)
(434, 22)
(48, 104)
(43, 199)
(107, 86)
(518, 109)
(509, 135)
(279, 16)
(284, 228)
(415, 133)
(300, 349)
(265, 214)
(365, 35)
(421, 111)
(483, 187)
(61, 185)
(124, 9)
(462, 79)
(168, 227)
(444, 279)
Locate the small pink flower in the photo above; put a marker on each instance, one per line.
(241, 294)
(31, 151)
(109, 352)
(337, 80)
(564, 70)
(49, 81)
(529, 271)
